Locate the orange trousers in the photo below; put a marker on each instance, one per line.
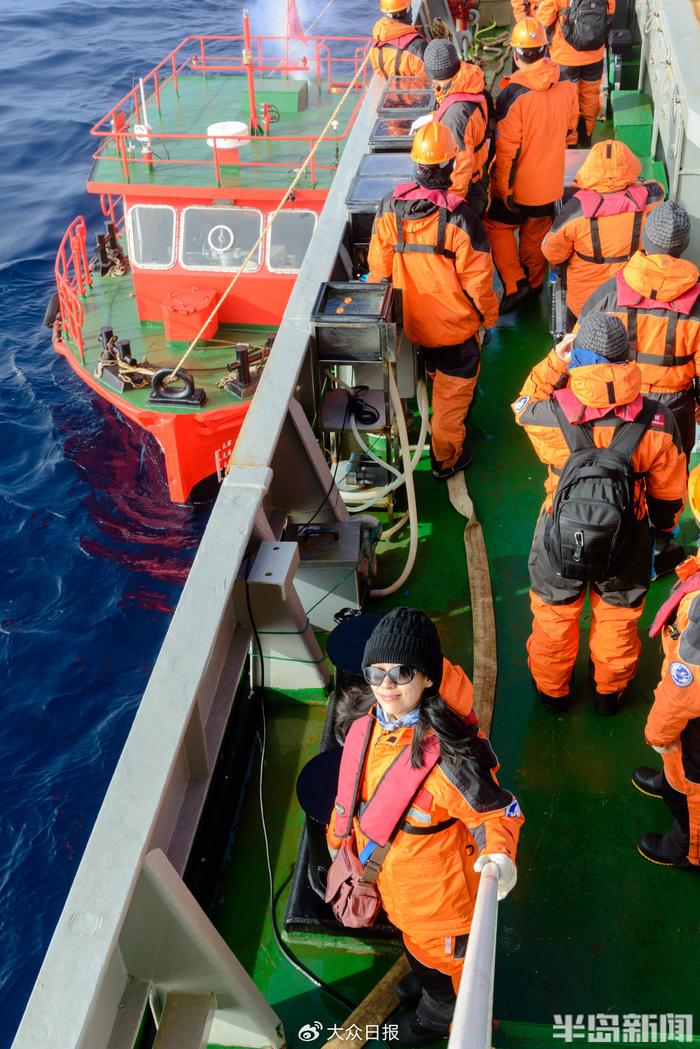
(556, 604)
(553, 644)
(588, 80)
(444, 953)
(521, 259)
(454, 371)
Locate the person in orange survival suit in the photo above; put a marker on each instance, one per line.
(600, 227)
(602, 392)
(657, 296)
(673, 724)
(433, 246)
(428, 879)
(534, 113)
(582, 67)
(397, 45)
(464, 106)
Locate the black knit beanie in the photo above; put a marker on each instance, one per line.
(604, 335)
(667, 230)
(441, 60)
(408, 637)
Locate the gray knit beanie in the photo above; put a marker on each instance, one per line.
(604, 335)
(406, 637)
(441, 60)
(667, 230)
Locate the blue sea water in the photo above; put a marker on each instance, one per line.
(94, 554)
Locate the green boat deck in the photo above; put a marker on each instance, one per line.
(111, 302)
(266, 163)
(591, 927)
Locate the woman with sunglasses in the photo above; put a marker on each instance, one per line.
(457, 820)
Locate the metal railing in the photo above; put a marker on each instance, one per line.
(122, 127)
(73, 272)
(471, 1023)
(73, 278)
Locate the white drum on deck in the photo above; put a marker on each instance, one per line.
(229, 129)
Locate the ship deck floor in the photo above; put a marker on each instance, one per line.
(201, 100)
(111, 302)
(591, 927)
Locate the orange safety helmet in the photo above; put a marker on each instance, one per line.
(528, 33)
(694, 492)
(393, 7)
(433, 143)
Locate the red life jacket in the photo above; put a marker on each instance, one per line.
(445, 202)
(465, 96)
(577, 412)
(458, 96)
(443, 198)
(668, 608)
(396, 790)
(631, 301)
(400, 43)
(628, 297)
(597, 205)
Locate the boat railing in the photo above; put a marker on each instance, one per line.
(73, 269)
(109, 204)
(471, 1023)
(73, 278)
(123, 128)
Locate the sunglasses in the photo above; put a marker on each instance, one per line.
(400, 675)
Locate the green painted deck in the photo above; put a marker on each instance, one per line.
(591, 927)
(201, 100)
(111, 302)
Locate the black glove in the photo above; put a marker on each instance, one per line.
(668, 552)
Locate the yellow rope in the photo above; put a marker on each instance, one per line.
(273, 216)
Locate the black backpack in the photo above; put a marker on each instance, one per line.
(585, 24)
(594, 520)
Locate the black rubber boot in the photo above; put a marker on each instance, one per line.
(431, 1020)
(409, 988)
(584, 139)
(443, 472)
(647, 781)
(608, 703)
(651, 847)
(554, 704)
(512, 301)
(412, 1031)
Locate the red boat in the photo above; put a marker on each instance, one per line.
(197, 257)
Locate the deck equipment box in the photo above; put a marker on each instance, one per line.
(353, 322)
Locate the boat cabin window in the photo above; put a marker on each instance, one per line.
(219, 238)
(151, 233)
(287, 240)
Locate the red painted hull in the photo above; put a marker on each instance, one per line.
(195, 445)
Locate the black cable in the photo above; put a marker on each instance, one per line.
(291, 958)
(331, 486)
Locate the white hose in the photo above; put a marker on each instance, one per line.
(408, 467)
(396, 527)
(422, 396)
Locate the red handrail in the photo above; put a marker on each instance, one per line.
(116, 126)
(73, 278)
